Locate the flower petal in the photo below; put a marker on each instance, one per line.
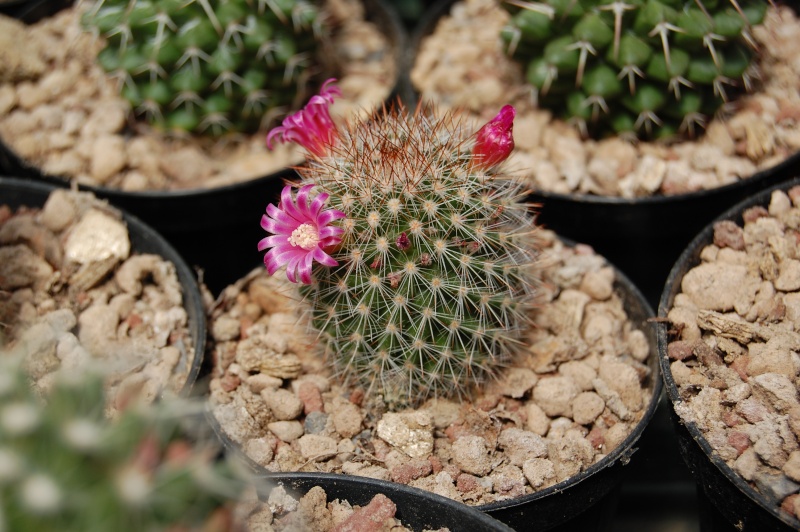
(495, 140)
(323, 258)
(304, 268)
(327, 217)
(312, 126)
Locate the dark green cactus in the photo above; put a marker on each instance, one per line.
(649, 68)
(64, 466)
(208, 67)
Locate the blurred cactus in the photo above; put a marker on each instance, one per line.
(65, 467)
(208, 67)
(425, 261)
(648, 68)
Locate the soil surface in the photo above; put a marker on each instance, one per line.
(736, 325)
(462, 64)
(73, 292)
(62, 114)
(579, 390)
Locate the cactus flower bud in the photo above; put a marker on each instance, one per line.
(312, 126)
(495, 140)
(300, 234)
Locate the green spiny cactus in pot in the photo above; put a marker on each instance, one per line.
(208, 67)
(420, 276)
(641, 68)
(65, 466)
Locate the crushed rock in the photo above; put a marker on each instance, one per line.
(74, 292)
(313, 512)
(734, 357)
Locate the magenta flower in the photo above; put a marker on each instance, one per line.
(312, 126)
(300, 234)
(495, 140)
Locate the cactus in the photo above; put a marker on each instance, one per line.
(420, 275)
(643, 68)
(64, 466)
(208, 67)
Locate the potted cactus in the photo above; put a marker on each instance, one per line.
(428, 347)
(157, 106)
(653, 69)
(641, 119)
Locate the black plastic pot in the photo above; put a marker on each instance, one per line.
(416, 509)
(642, 236)
(17, 192)
(585, 502)
(728, 503)
(30, 11)
(215, 229)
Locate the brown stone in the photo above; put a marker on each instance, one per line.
(369, 518)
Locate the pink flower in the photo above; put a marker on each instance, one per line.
(312, 126)
(495, 140)
(300, 234)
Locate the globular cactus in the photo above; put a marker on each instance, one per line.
(647, 68)
(426, 261)
(208, 67)
(66, 467)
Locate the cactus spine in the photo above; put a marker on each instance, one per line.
(647, 68)
(208, 67)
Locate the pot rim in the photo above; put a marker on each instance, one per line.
(687, 260)
(368, 487)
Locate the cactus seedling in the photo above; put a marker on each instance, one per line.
(420, 274)
(208, 67)
(66, 467)
(644, 68)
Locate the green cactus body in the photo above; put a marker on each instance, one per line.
(208, 67)
(646, 68)
(436, 266)
(64, 466)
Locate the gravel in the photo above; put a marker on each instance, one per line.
(734, 349)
